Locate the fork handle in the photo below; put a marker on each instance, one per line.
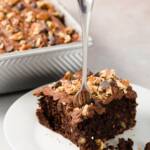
(85, 11)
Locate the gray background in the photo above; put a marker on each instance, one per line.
(121, 33)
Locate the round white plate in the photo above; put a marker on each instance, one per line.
(23, 132)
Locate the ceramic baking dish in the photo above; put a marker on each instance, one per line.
(32, 68)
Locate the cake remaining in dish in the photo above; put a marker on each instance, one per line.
(110, 111)
(28, 24)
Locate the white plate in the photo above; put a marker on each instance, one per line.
(23, 132)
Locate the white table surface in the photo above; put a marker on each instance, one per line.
(121, 33)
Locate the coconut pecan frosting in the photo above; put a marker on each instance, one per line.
(28, 24)
(104, 87)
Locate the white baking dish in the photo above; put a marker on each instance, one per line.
(28, 69)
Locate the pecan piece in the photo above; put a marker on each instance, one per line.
(17, 36)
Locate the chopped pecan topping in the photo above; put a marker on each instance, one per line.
(43, 16)
(103, 87)
(100, 144)
(82, 140)
(1, 16)
(17, 36)
(37, 22)
(11, 2)
(88, 111)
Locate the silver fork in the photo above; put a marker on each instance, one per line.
(83, 95)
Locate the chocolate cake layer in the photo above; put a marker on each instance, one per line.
(110, 111)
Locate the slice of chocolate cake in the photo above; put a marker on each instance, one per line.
(110, 111)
